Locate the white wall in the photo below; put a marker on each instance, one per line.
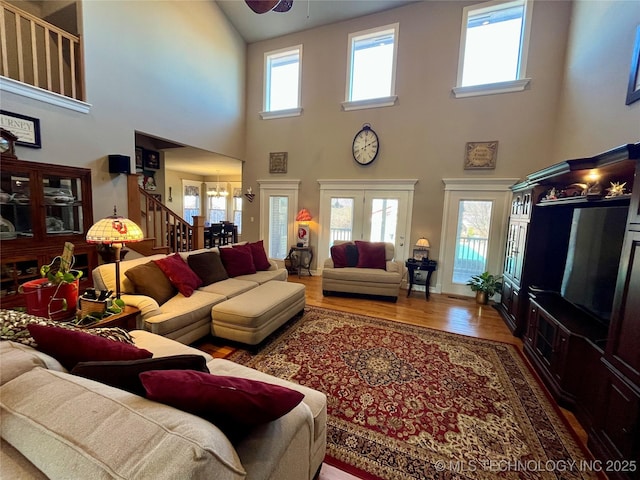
(593, 116)
(169, 69)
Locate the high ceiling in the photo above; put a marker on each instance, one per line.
(253, 27)
(304, 14)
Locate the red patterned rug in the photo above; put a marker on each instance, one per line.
(407, 402)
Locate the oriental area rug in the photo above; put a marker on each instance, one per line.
(408, 402)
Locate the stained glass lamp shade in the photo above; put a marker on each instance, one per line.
(115, 231)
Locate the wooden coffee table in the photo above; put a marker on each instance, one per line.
(126, 319)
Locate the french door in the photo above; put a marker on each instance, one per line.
(377, 211)
(474, 222)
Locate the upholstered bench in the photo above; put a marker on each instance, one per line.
(252, 316)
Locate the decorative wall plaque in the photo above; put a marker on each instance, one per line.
(27, 129)
(278, 162)
(480, 155)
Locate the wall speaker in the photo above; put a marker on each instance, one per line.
(119, 164)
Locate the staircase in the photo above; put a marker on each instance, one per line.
(165, 231)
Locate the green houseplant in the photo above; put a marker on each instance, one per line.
(55, 295)
(485, 285)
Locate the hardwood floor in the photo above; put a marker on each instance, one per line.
(443, 312)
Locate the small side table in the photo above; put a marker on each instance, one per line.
(125, 320)
(300, 258)
(416, 277)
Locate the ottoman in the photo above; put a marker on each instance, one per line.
(252, 316)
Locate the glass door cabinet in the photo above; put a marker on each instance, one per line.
(42, 206)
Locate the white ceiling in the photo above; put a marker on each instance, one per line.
(201, 162)
(304, 14)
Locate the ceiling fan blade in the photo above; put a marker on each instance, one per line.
(261, 6)
(283, 6)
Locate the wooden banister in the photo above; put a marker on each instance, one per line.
(63, 64)
(169, 231)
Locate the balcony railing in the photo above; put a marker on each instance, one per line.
(340, 234)
(471, 258)
(37, 53)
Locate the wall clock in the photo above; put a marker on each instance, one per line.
(365, 145)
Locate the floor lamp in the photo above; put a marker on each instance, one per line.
(115, 231)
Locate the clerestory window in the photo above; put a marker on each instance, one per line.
(494, 44)
(282, 82)
(371, 72)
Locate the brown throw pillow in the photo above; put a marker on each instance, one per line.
(125, 374)
(208, 266)
(352, 255)
(149, 280)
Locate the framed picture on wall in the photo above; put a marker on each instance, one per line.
(151, 160)
(27, 129)
(480, 155)
(139, 162)
(420, 255)
(278, 162)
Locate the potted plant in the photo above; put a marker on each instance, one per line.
(55, 295)
(485, 285)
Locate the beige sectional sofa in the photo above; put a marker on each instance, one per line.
(368, 281)
(61, 426)
(187, 319)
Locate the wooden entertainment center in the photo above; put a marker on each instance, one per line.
(590, 364)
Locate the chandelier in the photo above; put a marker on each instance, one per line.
(217, 192)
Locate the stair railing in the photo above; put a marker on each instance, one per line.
(41, 54)
(169, 231)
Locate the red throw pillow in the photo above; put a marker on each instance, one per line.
(339, 255)
(70, 346)
(260, 259)
(179, 274)
(371, 254)
(227, 402)
(237, 261)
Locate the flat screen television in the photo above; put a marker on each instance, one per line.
(591, 269)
